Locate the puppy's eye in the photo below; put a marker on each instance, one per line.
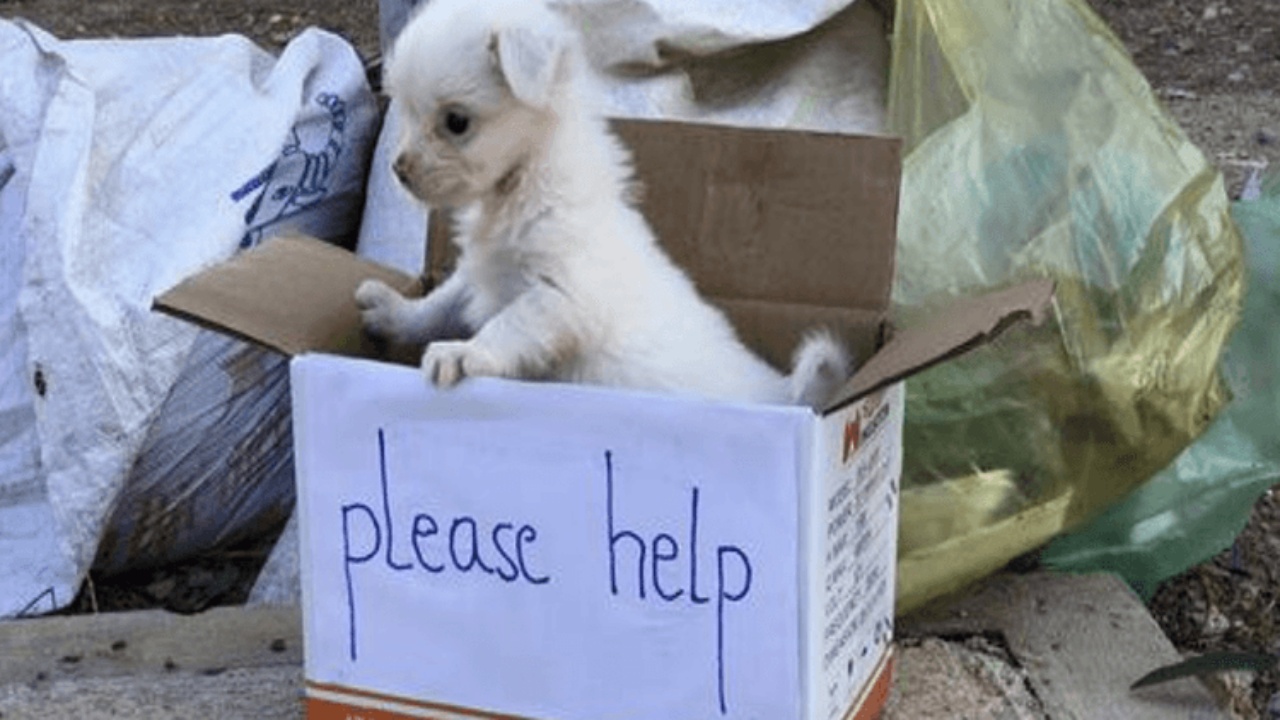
(456, 122)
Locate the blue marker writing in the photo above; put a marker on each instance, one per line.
(734, 572)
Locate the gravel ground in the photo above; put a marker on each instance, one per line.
(1230, 603)
(270, 23)
(1214, 62)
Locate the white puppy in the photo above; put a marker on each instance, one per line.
(559, 276)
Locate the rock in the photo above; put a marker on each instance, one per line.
(1177, 93)
(1181, 46)
(959, 679)
(1238, 688)
(162, 588)
(1215, 623)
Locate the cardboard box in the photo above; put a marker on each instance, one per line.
(535, 550)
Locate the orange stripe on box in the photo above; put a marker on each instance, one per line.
(869, 706)
(877, 696)
(326, 710)
(356, 695)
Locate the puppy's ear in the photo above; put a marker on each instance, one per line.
(529, 60)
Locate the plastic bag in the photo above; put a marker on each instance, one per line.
(126, 437)
(1036, 148)
(1195, 507)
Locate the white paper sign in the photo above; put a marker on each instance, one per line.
(548, 551)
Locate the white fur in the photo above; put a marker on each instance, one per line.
(559, 276)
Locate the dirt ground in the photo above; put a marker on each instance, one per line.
(270, 23)
(1215, 63)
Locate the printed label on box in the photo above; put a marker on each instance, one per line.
(859, 536)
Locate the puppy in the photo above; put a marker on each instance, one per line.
(559, 276)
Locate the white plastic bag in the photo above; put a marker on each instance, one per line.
(125, 435)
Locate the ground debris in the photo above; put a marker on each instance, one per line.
(1230, 604)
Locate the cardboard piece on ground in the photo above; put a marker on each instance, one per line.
(407, 494)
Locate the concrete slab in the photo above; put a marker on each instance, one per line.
(271, 693)
(1080, 641)
(148, 642)
(1038, 647)
(225, 663)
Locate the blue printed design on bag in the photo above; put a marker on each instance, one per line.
(298, 180)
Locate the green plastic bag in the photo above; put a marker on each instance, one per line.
(1195, 507)
(1035, 148)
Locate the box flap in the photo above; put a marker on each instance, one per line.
(290, 294)
(796, 217)
(958, 329)
(791, 216)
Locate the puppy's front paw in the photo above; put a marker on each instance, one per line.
(380, 309)
(446, 362)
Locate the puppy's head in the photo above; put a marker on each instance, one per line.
(478, 84)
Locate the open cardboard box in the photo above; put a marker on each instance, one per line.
(537, 550)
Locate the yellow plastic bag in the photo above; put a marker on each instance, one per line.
(1036, 148)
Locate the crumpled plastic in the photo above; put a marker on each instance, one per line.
(1195, 507)
(1036, 148)
(809, 64)
(130, 439)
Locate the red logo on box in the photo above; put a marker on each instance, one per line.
(852, 436)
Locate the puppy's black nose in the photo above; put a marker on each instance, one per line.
(401, 168)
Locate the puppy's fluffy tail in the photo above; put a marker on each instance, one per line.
(820, 366)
